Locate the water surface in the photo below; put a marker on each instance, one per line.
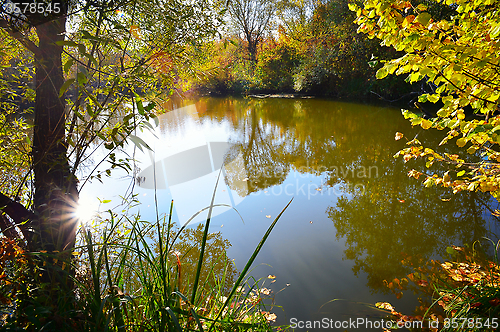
(354, 214)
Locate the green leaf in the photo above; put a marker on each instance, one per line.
(416, 121)
(139, 142)
(442, 113)
(82, 79)
(92, 59)
(140, 107)
(67, 43)
(423, 18)
(423, 98)
(150, 106)
(82, 48)
(65, 86)
(461, 173)
(68, 65)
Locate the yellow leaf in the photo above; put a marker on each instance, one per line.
(423, 18)
(426, 124)
(472, 149)
(461, 142)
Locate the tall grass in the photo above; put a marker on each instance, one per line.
(136, 275)
(131, 276)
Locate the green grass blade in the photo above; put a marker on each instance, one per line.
(174, 319)
(249, 263)
(193, 312)
(194, 216)
(204, 242)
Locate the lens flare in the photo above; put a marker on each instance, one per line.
(87, 209)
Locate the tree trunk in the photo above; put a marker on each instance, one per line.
(56, 194)
(252, 48)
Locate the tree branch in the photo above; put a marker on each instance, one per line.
(18, 213)
(7, 228)
(19, 36)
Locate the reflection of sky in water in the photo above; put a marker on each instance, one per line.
(303, 250)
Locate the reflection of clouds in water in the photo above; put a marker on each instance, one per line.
(192, 164)
(188, 164)
(191, 176)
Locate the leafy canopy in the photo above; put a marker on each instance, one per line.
(458, 55)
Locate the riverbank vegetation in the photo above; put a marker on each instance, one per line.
(306, 48)
(134, 275)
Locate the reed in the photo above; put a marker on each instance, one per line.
(132, 277)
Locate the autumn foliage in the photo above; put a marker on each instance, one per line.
(456, 53)
(464, 288)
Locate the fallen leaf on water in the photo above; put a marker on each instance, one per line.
(271, 276)
(398, 136)
(446, 199)
(311, 222)
(265, 291)
(270, 317)
(384, 305)
(422, 283)
(268, 216)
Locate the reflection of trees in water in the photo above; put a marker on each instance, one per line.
(391, 218)
(216, 267)
(397, 214)
(264, 148)
(354, 145)
(263, 153)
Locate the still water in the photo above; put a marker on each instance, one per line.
(354, 213)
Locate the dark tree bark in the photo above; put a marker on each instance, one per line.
(51, 225)
(55, 187)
